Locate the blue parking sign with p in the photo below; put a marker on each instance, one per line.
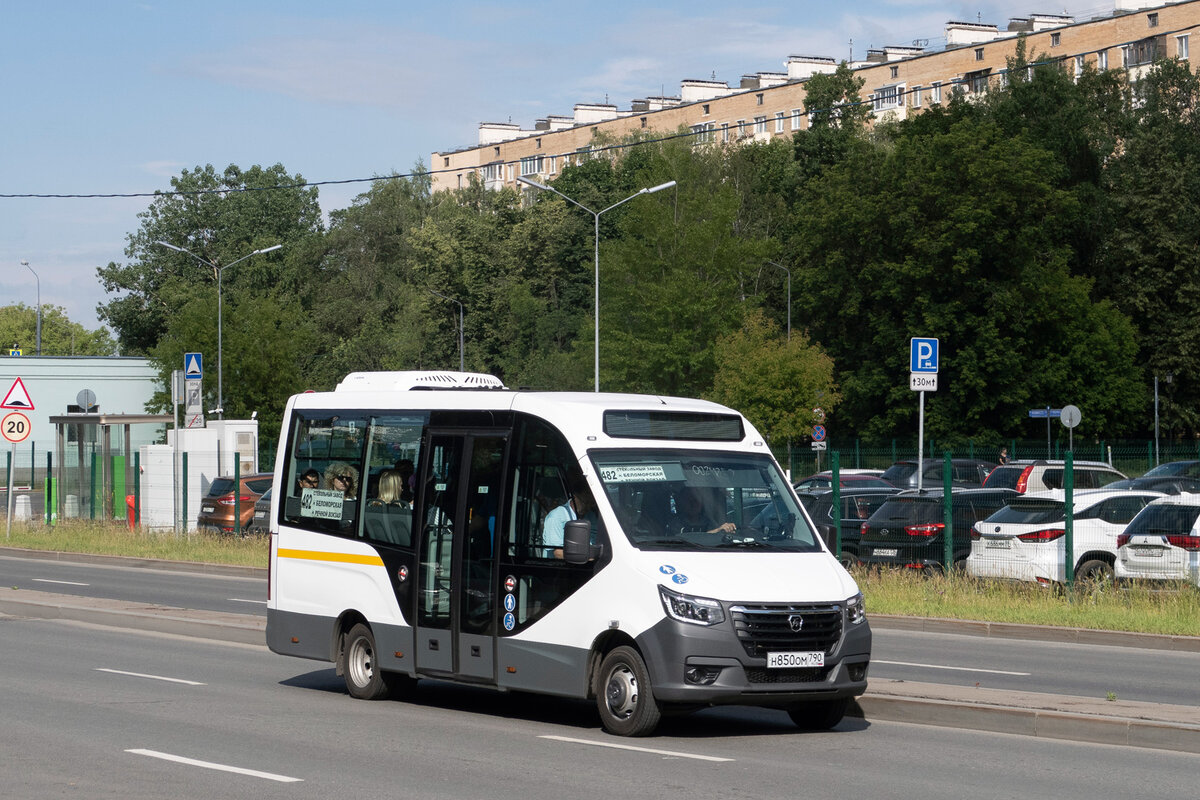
(923, 355)
(193, 365)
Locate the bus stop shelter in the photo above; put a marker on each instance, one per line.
(89, 468)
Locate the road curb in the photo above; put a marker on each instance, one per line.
(165, 565)
(1041, 633)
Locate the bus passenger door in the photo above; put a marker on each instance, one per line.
(456, 606)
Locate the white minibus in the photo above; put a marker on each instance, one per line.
(645, 552)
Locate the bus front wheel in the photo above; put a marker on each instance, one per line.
(624, 696)
(364, 679)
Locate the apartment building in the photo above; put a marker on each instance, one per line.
(898, 81)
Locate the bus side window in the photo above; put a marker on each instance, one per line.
(324, 442)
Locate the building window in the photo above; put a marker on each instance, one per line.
(888, 97)
(760, 98)
(977, 82)
(760, 125)
(497, 149)
(1181, 47)
(935, 93)
(779, 117)
(1152, 20)
(895, 72)
(532, 165)
(1055, 39)
(1078, 67)
(915, 93)
(1143, 52)
(446, 161)
(705, 107)
(460, 180)
(1102, 60)
(538, 142)
(979, 54)
(724, 131)
(643, 122)
(796, 114)
(510, 172)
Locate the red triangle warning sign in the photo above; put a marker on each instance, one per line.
(17, 397)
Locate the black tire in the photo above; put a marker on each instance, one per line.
(624, 695)
(819, 715)
(1094, 570)
(364, 679)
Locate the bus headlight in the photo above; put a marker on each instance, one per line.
(855, 611)
(695, 610)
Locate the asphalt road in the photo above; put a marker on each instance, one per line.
(100, 712)
(1085, 670)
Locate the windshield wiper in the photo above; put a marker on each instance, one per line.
(666, 542)
(745, 543)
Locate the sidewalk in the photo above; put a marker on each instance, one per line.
(1082, 719)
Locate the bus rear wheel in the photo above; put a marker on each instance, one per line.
(364, 679)
(624, 696)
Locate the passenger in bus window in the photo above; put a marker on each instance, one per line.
(341, 477)
(310, 479)
(579, 505)
(694, 515)
(391, 488)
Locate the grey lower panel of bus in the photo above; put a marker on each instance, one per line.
(670, 648)
(549, 669)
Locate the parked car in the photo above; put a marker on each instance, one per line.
(1189, 468)
(847, 479)
(1041, 475)
(217, 508)
(1026, 540)
(857, 506)
(907, 530)
(260, 523)
(1167, 484)
(1162, 543)
(965, 473)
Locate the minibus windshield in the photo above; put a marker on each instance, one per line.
(702, 500)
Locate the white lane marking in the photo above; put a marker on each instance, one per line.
(941, 666)
(637, 749)
(240, 600)
(210, 765)
(63, 583)
(151, 677)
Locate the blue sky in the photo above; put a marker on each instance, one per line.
(116, 97)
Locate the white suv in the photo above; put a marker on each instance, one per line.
(1026, 541)
(1041, 475)
(1163, 542)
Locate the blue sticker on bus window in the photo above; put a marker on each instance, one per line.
(510, 621)
(681, 578)
(667, 569)
(510, 602)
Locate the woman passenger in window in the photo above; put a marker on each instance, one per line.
(341, 477)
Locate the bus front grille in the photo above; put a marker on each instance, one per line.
(786, 628)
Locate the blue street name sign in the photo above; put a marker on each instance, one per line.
(1043, 413)
(923, 355)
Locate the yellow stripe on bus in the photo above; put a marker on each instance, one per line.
(343, 558)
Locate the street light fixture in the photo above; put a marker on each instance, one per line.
(789, 299)
(220, 409)
(25, 264)
(596, 216)
(461, 364)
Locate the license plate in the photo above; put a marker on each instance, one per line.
(886, 552)
(1148, 552)
(998, 544)
(207, 509)
(259, 514)
(794, 660)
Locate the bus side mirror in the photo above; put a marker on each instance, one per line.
(577, 542)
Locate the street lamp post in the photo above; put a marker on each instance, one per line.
(461, 363)
(789, 299)
(39, 301)
(596, 216)
(220, 409)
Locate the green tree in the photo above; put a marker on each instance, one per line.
(60, 336)
(220, 218)
(1150, 263)
(775, 382)
(955, 233)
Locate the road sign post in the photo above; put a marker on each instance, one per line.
(922, 378)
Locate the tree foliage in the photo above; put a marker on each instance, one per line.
(60, 336)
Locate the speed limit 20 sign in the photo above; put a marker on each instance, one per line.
(15, 427)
